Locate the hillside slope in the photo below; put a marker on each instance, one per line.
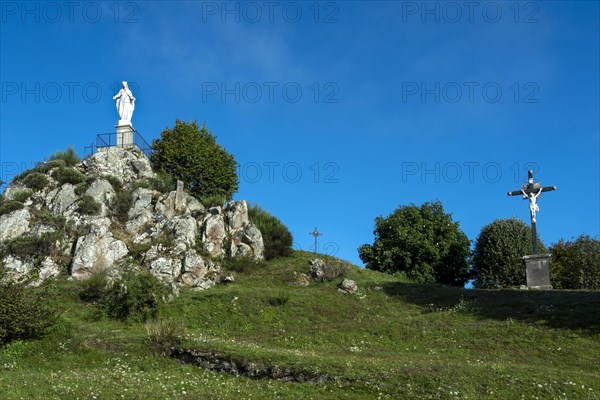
(392, 340)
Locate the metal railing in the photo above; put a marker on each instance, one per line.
(114, 139)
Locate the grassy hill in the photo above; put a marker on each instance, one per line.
(393, 340)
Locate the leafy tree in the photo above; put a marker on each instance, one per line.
(576, 264)
(421, 242)
(498, 254)
(191, 153)
(276, 236)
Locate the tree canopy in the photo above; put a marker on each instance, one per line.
(191, 154)
(498, 254)
(422, 243)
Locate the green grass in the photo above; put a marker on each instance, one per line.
(394, 340)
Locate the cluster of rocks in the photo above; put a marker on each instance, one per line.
(240, 367)
(320, 271)
(170, 234)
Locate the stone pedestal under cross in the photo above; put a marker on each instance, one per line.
(536, 265)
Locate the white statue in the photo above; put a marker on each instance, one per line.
(533, 206)
(125, 104)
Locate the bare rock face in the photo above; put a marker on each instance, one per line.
(96, 252)
(102, 192)
(247, 242)
(16, 270)
(140, 214)
(184, 231)
(14, 224)
(237, 215)
(127, 164)
(213, 231)
(65, 201)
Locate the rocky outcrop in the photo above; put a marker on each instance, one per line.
(170, 234)
(14, 224)
(126, 164)
(96, 252)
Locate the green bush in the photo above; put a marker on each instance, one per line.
(576, 264)
(122, 204)
(55, 164)
(114, 181)
(24, 313)
(70, 157)
(165, 334)
(498, 254)
(22, 195)
(32, 246)
(94, 288)
(191, 154)
(213, 201)
(68, 175)
(8, 206)
(242, 264)
(36, 181)
(422, 242)
(278, 299)
(136, 295)
(88, 206)
(276, 236)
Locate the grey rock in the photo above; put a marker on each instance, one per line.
(165, 268)
(102, 192)
(140, 214)
(317, 269)
(49, 269)
(348, 286)
(213, 232)
(247, 242)
(65, 201)
(14, 224)
(237, 214)
(126, 164)
(184, 231)
(96, 252)
(16, 270)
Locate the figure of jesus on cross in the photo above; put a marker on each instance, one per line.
(532, 191)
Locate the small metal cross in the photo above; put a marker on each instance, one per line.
(316, 234)
(532, 191)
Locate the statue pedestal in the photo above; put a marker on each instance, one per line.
(124, 134)
(538, 271)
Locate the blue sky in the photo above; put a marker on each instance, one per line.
(337, 112)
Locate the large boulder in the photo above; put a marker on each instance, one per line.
(237, 214)
(247, 241)
(65, 200)
(213, 232)
(96, 252)
(14, 224)
(140, 214)
(103, 193)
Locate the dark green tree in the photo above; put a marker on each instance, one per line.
(576, 264)
(276, 236)
(421, 242)
(191, 153)
(498, 254)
